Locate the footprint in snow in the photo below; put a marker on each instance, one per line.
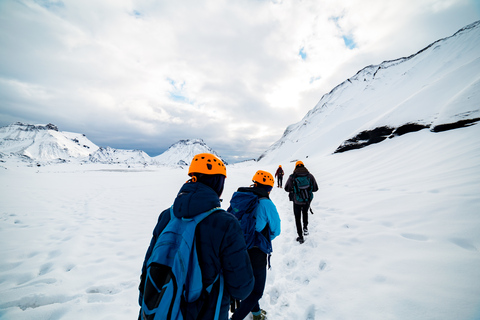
(290, 263)
(310, 313)
(322, 265)
(37, 300)
(464, 243)
(46, 268)
(103, 290)
(274, 295)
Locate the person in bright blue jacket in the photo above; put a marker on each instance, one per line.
(219, 238)
(268, 224)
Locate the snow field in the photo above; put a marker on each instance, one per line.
(71, 236)
(394, 234)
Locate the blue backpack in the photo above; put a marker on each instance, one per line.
(302, 189)
(174, 277)
(243, 206)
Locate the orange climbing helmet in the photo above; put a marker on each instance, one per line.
(299, 163)
(207, 163)
(263, 177)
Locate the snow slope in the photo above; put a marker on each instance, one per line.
(111, 155)
(44, 143)
(394, 235)
(438, 85)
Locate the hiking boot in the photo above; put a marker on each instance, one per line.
(305, 231)
(261, 316)
(300, 239)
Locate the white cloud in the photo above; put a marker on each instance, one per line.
(229, 72)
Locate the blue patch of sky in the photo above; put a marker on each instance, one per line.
(137, 14)
(349, 42)
(177, 93)
(302, 53)
(335, 20)
(347, 39)
(313, 79)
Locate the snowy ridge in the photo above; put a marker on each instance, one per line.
(438, 85)
(44, 142)
(182, 152)
(109, 155)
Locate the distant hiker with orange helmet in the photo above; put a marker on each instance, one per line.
(300, 186)
(279, 176)
(226, 271)
(260, 224)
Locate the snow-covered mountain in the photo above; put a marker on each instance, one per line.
(46, 144)
(43, 142)
(182, 152)
(438, 88)
(109, 155)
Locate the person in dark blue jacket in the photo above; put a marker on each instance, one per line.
(219, 238)
(268, 225)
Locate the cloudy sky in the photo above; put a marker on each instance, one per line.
(143, 74)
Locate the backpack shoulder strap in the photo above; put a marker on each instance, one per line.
(220, 294)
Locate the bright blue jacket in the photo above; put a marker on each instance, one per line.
(266, 215)
(220, 247)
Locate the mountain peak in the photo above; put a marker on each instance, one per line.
(32, 127)
(435, 88)
(189, 142)
(43, 142)
(182, 152)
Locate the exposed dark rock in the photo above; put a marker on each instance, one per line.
(407, 128)
(51, 127)
(366, 138)
(32, 127)
(455, 125)
(379, 134)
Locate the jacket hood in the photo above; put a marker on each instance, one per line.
(301, 171)
(194, 198)
(260, 192)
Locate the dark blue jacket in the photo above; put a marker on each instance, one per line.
(220, 246)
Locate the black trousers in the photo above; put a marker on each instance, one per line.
(301, 211)
(259, 265)
(279, 181)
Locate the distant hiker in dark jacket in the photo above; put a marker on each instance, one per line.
(219, 239)
(301, 203)
(279, 176)
(267, 227)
